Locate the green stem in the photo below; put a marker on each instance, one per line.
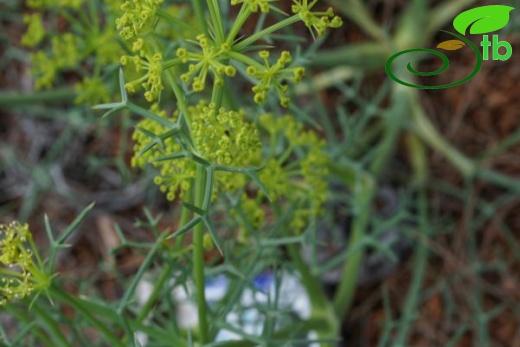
(199, 13)
(242, 16)
(214, 12)
(262, 33)
(58, 338)
(198, 258)
(165, 15)
(502, 180)
(217, 94)
(443, 13)
(10, 99)
(171, 63)
(94, 15)
(326, 79)
(420, 262)
(418, 159)
(167, 270)
(322, 310)
(179, 95)
(393, 124)
(312, 284)
(367, 56)
(410, 29)
(77, 305)
(429, 134)
(39, 333)
(244, 59)
(198, 231)
(158, 285)
(363, 191)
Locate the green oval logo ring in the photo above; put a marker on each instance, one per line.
(445, 65)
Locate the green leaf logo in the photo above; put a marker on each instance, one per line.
(482, 20)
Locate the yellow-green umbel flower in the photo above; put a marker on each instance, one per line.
(221, 137)
(44, 70)
(208, 60)
(65, 49)
(91, 91)
(138, 18)
(315, 20)
(298, 175)
(22, 270)
(150, 67)
(87, 48)
(274, 77)
(35, 31)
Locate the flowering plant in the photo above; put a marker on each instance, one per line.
(179, 63)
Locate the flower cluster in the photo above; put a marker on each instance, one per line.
(223, 137)
(43, 69)
(106, 51)
(151, 64)
(299, 174)
(134, 25)
(208, 60)
(274, 76)
(88, 46)
(91, 89)
(138, 18)
(220, 136)
(21, 275)
(173, 176)
(35, 31)
(65, 49)
(316, 20)
(255, 5)
(294, 173)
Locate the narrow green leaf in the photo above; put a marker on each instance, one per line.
(115, 106)
(147, 114)
(112, 111)
(146, 148)
(109, 106)
(262, 187)
(48, 228)
(194, 209)
(199, 160)
(173, 156)
(63, 237)
(213, 234)
(210, 179)
(186, 227)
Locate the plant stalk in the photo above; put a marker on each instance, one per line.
(198, 259)
(11, 99)
(364, 191)
(76, 304)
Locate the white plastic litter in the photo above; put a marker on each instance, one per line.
(292, 297)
